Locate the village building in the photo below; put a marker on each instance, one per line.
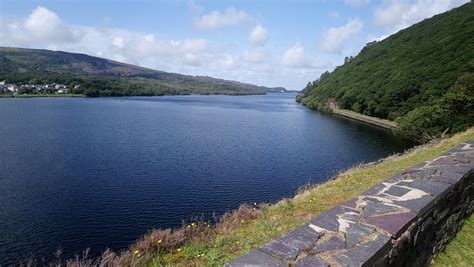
(63, 91)
(34, 88)
(12, 88)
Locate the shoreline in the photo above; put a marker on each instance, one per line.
(331, 107)
(82, 95)
(365, 119)
(40, 95)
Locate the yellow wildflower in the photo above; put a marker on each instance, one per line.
(179, 249)
(136, 252)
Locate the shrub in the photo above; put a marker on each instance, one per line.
(423, 124)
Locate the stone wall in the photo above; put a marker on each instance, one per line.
(404, 221)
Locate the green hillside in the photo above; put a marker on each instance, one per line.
(105, 77)
(422, 77)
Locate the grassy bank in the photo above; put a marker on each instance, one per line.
(459, 251)
(252, 225)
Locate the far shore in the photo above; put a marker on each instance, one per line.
(82, 95)
(40, 95)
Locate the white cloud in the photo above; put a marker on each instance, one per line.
(217, 20)
(192, 45)
(254, 56)
(42, 25)
(192, 59)
(295, 57)
(259, 35)
(333, 39)
(195, 7)
(223, 62)
(394, 15)
(118, 42)
(357, 3)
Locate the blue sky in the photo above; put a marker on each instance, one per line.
(272, 43)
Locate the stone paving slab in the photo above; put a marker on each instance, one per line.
(289, 246)
(311, 261)
(364, 254)
(363, 230)
(256, 258)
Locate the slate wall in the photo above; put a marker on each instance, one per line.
(404, 221)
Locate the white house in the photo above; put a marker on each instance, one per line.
(12, 88)
(63, 91)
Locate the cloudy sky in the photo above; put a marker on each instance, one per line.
(272, 43)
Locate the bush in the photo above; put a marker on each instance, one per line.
(459, 100)
(91, 93)
(423, 124)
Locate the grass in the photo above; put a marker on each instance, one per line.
(199, 243)
(460, 251)
(353, 114)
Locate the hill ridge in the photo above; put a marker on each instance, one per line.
(428, 65)
(111, 77)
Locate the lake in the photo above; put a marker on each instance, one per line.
(100, 172)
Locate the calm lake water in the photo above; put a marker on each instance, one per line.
(82, 172)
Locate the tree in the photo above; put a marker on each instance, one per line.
(423, 123)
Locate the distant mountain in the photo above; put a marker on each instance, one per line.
(422, 76)
(107, 77)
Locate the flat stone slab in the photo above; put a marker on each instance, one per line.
(256, 258)
(292, 244)
(365, 253)
(311, 261)
(360, 231)
(328, 221)
(394, 224)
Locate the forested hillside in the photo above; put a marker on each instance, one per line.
(99, 76)
(422, 77)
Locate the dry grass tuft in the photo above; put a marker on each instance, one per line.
(107, 259)
(169, 240)
(232, 220)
